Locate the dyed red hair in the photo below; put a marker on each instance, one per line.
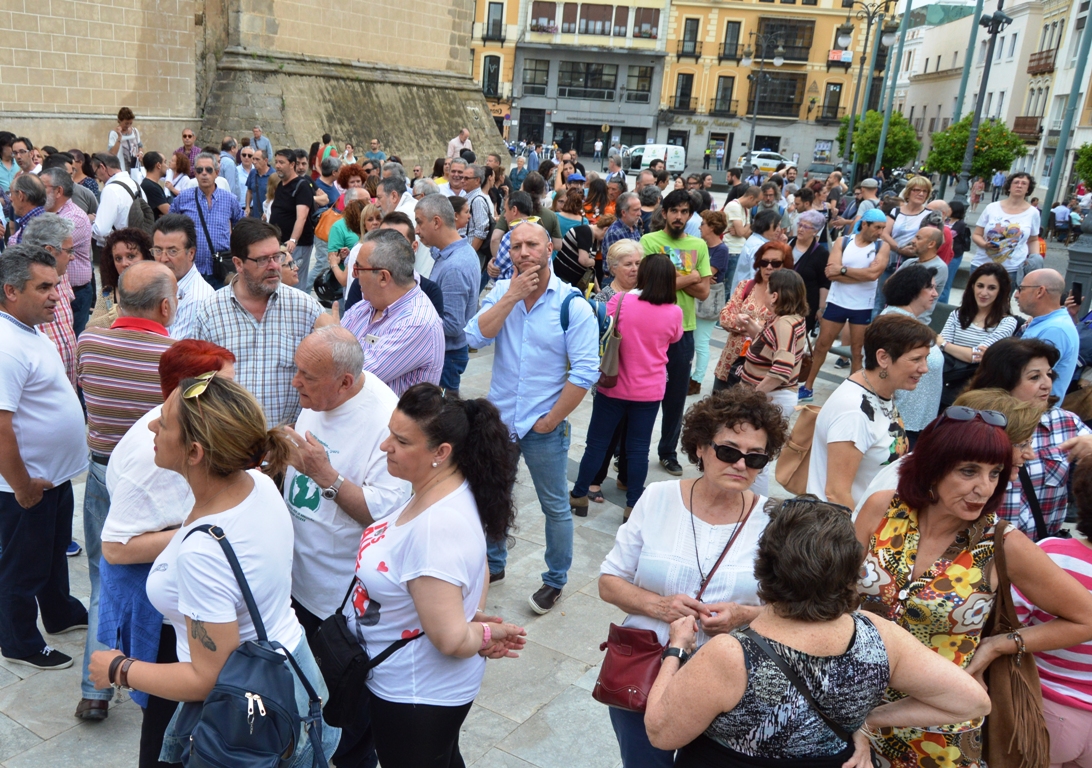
(188, 358)
(782, 249)
(942, 446)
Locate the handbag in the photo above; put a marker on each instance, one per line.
(634, 655)
(222, 264)
(792, 464)
(1015, 734)
(956, 374)
(608, 366)
(806, 358)
(709, 308)
(802, 689)
(326, 220)
(345, 665)
(250, 718)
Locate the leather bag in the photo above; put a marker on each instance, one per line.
(325, 223)
(608, 366)
(792, 464)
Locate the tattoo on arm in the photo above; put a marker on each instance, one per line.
(198, 632)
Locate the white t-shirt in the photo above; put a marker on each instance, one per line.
(446, 542)
(192, 577)
(655, 550)
(129, 151)
(853, 414)
(327, 539)
(1006, 234)
(855, 295)
(143, 496)
(735, 212)
(47, 417)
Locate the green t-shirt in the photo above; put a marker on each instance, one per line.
(687, 253)
(341, 237)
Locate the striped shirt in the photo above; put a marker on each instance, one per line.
(776, 353)
(79, 269)
(118, 369)
(1066, 674)
(61, 331)
(193, 291)
(264, 349)
(405, 345)
(973, 335)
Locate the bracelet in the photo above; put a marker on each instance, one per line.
(114, 664)
(487, 635)
(1021, 649)
(123, 674)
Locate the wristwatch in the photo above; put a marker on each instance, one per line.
(331, 492)
(678, 653)
(943, 343)
(843, 271)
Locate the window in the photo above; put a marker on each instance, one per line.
(723, 103)
(796, 35)
(1012, 45)
(581, 80)
(491, 76)
(1000, 103)
(789, 2)
(926, 70)
(684, 89)
(621, 21)
(832, 102)
(639, 85)
(938, 63)
(809, 2)
(1029, 105)
(595, 19)
(536, 75)
(911, 118)
(1043, 38)
(932, 124)
(689, 44)
(847, 3)
(494, 22)
(1053, 31)
(782, 95)
(1000, 49)
(568, 18)
(989, 102)
(646, 23)
(955, 60)
(543, 15)
(981, 50)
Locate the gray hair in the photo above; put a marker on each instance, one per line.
(477, 171)
(106, 159)
(459, 161)
(48, 229)
(346, 353)
(431, 206)
(425, 187)
(393, 253)
(259, 152)
(148, 298)
(622, 248)
(60, 178)
(650, 195)
(393, 184)
(396, 169)
(208, 156)
(15, 265)
(330, 166)
(624, 200)
(32, 187)
(813, 218)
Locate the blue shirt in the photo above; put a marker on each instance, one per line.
(220, 217)
(532, 162)
(257, 184)
(1057, 329)
(229, 173)
(458, 273)
(331, 193)
(265, 146)
(534, 357)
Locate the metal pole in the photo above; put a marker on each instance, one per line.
(868, 85)
(968, 62)
(847, 153)
(754, 106)
(1070, 110)
(890, 100)
(963, 188)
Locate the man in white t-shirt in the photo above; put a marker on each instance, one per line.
(41, 449)
(118, 193)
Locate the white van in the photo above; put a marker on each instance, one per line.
(638, 158)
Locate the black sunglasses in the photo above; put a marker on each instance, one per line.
(730, 455)
(963, 413)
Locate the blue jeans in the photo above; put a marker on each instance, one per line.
(96, 504)
(82, 303)
(881, 302)
(320, 249)
(637, 751)
(953, 267)
(302, 256)
(679, 356)
(547, 458)
(607, 413)
(702, 336)
(455, 362)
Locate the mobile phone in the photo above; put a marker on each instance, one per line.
(1077, 293)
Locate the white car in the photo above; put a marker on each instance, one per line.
(766, 161)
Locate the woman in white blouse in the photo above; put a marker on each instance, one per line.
(678, 530)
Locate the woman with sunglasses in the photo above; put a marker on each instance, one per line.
(680, 528)
(213, 432)
(750, 299)
(1024, 368)
(929, 567)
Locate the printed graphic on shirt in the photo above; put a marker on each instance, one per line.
(305, 494)
(367, 610)
(684, 259)
(900, 444)
(1002, 238)
(372, 535)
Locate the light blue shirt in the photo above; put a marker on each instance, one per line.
(263, 143)
(230, 174)
(534, 357)
(693, 226)
(458, 274)
(745, 267)
(1057, 329)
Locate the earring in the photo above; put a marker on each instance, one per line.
(435, 464)
(701, 465)
(933, 496)
(883, 373)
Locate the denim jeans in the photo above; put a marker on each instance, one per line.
(607, 413)
(953, 267)
(320, 263)
(679, 356)
(547, 458)
(96, 504)
(302, 256)
(637, 751)
(881, 302)
(455, 362)
(82, 303)
(702, 335)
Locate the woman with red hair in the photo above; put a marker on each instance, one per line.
(929, 567)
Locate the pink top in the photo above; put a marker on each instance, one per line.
(1066, 674)
(647, 331)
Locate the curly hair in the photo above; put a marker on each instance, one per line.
(135, 237)
(349, 171)
(729, 408)
(481, 448)
(352, 214)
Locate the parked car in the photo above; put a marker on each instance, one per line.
(766, 161)
(819, 171)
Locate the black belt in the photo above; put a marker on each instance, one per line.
(100, 459)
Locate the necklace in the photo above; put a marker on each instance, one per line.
(890, 414)
(694, 530)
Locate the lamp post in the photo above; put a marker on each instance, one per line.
(761, 41)
(994, 23)
(869, 12)
(893, 75)
(967, 59)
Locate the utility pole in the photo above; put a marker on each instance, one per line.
(893, 73)
(868, 83)
(1070, 110)
(968, 62)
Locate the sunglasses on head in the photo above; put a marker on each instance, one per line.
(766, 263)
(730, 455)
(528, 220)
(198, 388)
(963, 413)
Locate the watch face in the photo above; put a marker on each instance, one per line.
(329, 494)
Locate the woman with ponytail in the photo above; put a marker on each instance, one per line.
(422, 570)
(212, 432)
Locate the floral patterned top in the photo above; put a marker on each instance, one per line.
(740, 305)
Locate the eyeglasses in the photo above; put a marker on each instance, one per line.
(290, 265)
(730, 455)
(204, 169)
(172, 253)
(198, 388)
(766, 263)
(528, 220)
(67, 251)
(264, 261)
(963, 413)
(1025, 287)
(357, 269)
(187, 135)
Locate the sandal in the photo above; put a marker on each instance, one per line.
(596, 496)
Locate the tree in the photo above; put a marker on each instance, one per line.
(996, 147)
(901, 147)
(1082, 163)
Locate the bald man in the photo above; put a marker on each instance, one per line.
(1041, 295)
(927, 244)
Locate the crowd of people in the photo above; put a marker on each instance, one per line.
(255, 357)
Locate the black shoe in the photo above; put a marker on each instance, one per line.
(672, 466)
(47, 658)
(545, 599)
(73, 628)
(496, 578)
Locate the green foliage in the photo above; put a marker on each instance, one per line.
(996, 147)
(902, 143)
(1082, 163)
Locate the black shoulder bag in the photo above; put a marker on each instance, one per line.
(222, 265)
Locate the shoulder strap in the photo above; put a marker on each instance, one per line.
(132, 194)
(204, 226)
(750, 286)
(728, 546)
(386, 652)
(217, 533)
(797, 683)
(1033, 502)
(565, 311)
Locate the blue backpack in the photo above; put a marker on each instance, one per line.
(604, 319)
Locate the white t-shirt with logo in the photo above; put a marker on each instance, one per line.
(855, 295)
(1007, 235)
(327, 539)
(192, 577)
(445, 542)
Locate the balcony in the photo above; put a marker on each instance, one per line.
(730, 51)
(534, 89)
(683, 104)
(795, 53)
(1028, 127)
(493, 32)
(638, 97)
(689, 49)
(591, 94)
(724, 107)
(779, 108)
(548, 29)
(1042, 62)
(829, 114)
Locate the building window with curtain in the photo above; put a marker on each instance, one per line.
(491, 76)
(543, 16)
(595, 19)
(646, 23)
(568, 18)
(621, 21)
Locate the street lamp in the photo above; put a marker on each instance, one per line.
(869, 13)
(887, 98)
(762, 41)
(994, 23)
